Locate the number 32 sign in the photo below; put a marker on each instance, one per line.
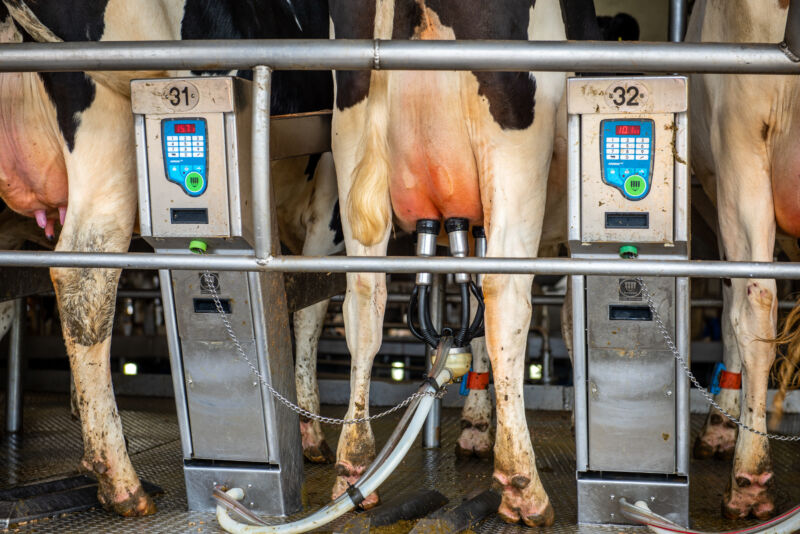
(181, 96)
(630, 95)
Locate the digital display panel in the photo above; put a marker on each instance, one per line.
(189, 128)
(622, 129)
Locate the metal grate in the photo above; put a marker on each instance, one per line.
(51, 446)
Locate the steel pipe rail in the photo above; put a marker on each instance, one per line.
(324, 54)
(404, 264)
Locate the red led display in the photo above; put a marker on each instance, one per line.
(628, 129)
(189, 128)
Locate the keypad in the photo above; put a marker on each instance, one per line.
(628, 148)
(185, 146)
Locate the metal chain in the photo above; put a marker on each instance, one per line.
(212, 286)
(704, 391)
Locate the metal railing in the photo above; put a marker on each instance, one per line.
(364, 55)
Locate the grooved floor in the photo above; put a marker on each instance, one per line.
(51, 446)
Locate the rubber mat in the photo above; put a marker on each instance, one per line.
(51, 447)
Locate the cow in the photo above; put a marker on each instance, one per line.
(744, 136)
(67, 158)
(410, 145)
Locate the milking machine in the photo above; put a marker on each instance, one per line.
(628, 198)
(228, 332)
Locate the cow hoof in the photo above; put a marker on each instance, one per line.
(347, 475)
(748, 495)
(135, 504)
(321, 454)
(315, 449)
(718, 439)
(524, 501)
(474, 442)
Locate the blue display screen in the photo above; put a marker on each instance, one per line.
(626, 154)
(185, 145)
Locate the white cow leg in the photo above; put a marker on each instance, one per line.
(718, 435)
(476, 416)
(322, 239)
(364, 308)
(747, 226)
(102, 206)
(307, 329)
(509, 314)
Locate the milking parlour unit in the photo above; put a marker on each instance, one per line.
(228, 331)
(629, 198)
(193, 142)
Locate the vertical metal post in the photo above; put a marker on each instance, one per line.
(547, 357)
(432, 430)
(14, 396)
(262, 210)
(677, 20)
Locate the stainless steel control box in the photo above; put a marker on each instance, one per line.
(193, 156)
(628, 187)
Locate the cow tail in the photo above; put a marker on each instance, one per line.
(785, 370)
(368, 203)
(369, 207)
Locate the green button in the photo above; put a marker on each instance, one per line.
(194, 182)
(635, 186)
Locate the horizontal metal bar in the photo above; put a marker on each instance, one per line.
(324, 54)
(558, 300)
(404, 264)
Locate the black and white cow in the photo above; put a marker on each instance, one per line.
(67, 156)
(413, 145)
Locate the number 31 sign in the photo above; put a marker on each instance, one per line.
(182, 96)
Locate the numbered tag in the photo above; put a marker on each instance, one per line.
(181, 96)
(629, 95)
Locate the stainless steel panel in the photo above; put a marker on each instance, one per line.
(682, 388)
(238, 131)
(602, 292)
(598, 499)
(631, 409)
(276, 364)
(176, 362)
(579, 371)
(264, 492)
(140, 140)
(225, 402)
(233, 287)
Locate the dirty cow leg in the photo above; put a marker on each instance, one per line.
(86, 305)
(513, 194)
(100, 217)
(364, 308)
(747, 226)
(476, 416)
(307, 329)
(323, 238)
(718, 435)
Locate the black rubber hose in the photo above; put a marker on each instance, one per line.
(460, 339)
(425, 325)
(476, 328)
(412, 306)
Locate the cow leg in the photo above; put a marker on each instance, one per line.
(513, 194)
(102, 205)
(307, 329)
(364, 307)
(476, 416)
(323, 237)
(718, 435)
(747, 226)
